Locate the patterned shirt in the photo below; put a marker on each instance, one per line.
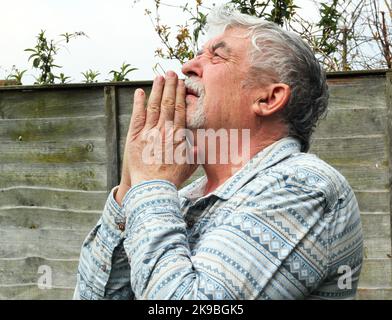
(285, 226)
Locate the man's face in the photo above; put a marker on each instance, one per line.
(220, 69)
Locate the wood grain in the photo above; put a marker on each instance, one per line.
(52, 198)
(52, 129)
(47, 218)
(373, 200)
(72, 151)
(25, 271)
(366, 150)
(376, 273)
(32, 292)
(58, 150)
(343, 122)
(46, 243)
(111, 112)
(51, 103)
(357, 92)
(79, 176)
(374, 294)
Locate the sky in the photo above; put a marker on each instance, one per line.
(118, 31)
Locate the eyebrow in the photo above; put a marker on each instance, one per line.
(220, 44)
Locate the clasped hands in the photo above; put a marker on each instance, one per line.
(166, 105)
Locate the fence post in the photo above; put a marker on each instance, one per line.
(388, 96)
(111, 111)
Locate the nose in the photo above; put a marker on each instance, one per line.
(193, 67)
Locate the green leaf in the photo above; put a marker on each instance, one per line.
(33, 55)
(36, 62)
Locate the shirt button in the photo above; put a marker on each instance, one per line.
(121, 226)
(190, 224)
(103, 268)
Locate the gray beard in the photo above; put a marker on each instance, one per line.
(198, 118)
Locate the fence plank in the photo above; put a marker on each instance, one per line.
(348, 92)
(55, 129)
(111, 111)
(341, 122)
(82, 176)
(377, 248)
(32, 292)
(388, 94)
(125, 98)
(73, 151)
(377, 234)
(377, 200)
(54, 198)
(47, 218)
(54, 244)
(376, 273)
(376, 225)
(374, 294)
(51, 103)
(365, 177)
(25, 270)
(370, 150)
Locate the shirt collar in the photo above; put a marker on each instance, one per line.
(266, 158)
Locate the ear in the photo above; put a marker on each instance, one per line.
(272, 99)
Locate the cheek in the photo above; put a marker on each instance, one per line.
(223, 94)
(223, 87)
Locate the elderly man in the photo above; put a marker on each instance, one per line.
(281, 225)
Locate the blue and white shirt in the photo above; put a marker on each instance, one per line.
(285, 226)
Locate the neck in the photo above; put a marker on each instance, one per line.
(217, 173)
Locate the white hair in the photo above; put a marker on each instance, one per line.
(277, 55)
(198, 119)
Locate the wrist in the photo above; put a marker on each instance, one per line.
(121, 191)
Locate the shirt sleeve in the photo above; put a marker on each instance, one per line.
(345, 251)
(242, 255)
(104, 271)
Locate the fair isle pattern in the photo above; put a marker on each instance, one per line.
(279, 228)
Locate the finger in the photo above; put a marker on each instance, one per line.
(179, 110)
(138, 117)
(168, 98)
(154, 102)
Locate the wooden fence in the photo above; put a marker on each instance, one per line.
(61, 149)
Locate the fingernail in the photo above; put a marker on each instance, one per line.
(170, 74)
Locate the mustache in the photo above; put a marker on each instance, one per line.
(194, 85)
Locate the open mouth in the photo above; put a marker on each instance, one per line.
(192, 92)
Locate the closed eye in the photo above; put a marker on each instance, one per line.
(216, 55)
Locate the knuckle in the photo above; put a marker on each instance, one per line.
(139, 118)
(169, 102)
(179, 107)
(154, 107)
